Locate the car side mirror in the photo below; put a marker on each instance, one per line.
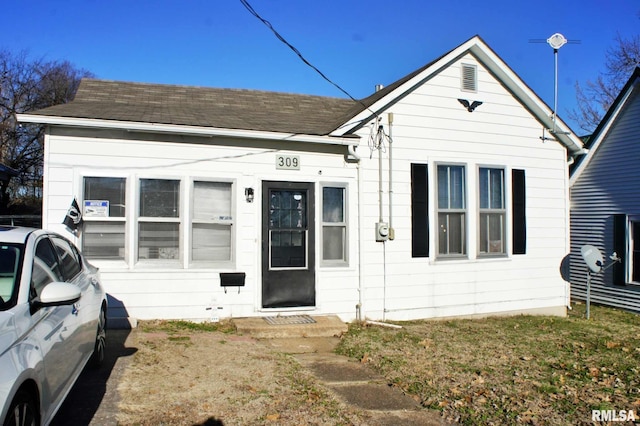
(58, 294)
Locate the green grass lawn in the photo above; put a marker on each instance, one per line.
(512, 370)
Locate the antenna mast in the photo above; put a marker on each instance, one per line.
(556, 41)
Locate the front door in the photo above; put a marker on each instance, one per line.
(288, 244)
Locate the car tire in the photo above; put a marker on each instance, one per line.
(23, 410)
(97, 359)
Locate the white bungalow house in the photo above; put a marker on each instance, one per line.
(605, 204)
(443, 194)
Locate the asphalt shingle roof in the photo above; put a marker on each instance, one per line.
(206, 107)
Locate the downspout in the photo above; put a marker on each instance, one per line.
(392, 232)
(567, 210)
(355, 158)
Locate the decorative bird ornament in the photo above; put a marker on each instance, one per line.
(468, 106)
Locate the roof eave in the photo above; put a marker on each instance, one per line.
(605, 125)
(180, 129)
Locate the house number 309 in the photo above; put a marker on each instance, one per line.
(288, 162)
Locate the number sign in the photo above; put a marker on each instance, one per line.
(287, 162)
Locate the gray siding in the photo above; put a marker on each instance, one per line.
(609, 185)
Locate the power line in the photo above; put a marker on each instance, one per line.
(251, 10)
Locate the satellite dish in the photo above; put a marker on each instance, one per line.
(592, 257)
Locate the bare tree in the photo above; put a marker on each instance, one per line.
(595, 98)
(28, 85)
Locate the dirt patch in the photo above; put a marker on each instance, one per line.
(186, 374)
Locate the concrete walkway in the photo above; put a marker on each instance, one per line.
(351, 382)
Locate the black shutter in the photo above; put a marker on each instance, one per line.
(518, 200)
(419, 211)
(620, 247)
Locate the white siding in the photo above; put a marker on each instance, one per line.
(165, 292)
(430, 126)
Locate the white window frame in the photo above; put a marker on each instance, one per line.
(230, 222)
(446, 210)
(173, 263)
(111, 219)
(484, 252)
(344, 224)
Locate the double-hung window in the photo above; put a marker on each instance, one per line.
(159, 219)
(452, 210)
(334, 225)
(103, 213)
(211, 223)
(492, 221)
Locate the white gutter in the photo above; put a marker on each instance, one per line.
(183, 129)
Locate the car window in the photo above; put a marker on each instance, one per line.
(45, 267)
(69, 257)
(9, 261)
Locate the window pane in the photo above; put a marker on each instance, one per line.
(211, 201)
(443, 187)
(68, 258)
(288, 249)
(103, 240)
(112, 190)
(287, 209)
(497, 189)
(45, 267)
(9, 262)
(451, 187)
(158, 241)
(333, 242)
(159, 198)
(211, 242)
(491, 188)
(456, 174)
(451, 233)
(483, 179)
(492, 233)
(332, 204)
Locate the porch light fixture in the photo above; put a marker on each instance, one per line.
(248, 193)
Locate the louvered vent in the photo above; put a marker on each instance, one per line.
(469, 78)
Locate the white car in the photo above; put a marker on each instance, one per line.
(53, 314)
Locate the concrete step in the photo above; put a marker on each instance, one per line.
(293, 326)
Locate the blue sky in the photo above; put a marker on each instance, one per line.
(356, 43)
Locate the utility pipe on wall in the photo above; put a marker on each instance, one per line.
(353, 157)
(392, 232)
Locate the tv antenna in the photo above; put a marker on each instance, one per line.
(593, 258)
(556, 41)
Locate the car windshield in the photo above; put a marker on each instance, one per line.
(9, 261)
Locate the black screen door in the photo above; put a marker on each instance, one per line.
(288, 244)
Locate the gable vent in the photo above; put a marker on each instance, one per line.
(469, 78)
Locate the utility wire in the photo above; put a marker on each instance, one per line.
(251, 10)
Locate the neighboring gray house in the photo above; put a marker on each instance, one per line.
(605, 203)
